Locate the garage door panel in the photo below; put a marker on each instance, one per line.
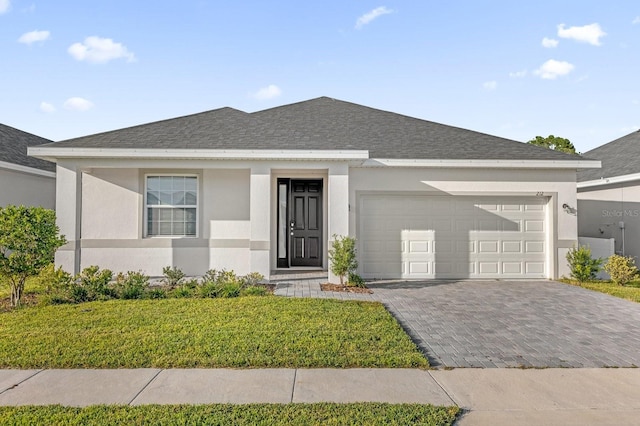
(453, 237)
(534, 246)
(512, 268)
(531, 225)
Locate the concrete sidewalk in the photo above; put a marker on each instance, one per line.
(489, 396)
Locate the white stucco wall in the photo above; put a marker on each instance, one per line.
(113, 223)
(237, 204)
(601, 210)
(557, 185)
(20, 188)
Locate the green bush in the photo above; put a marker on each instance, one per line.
(208, 290)
(251, 279)
(132, 285)
(172, 276)
(56, 284)
(93, 284)
(254, 290)
(583, 267)
(156, 293)
(622, 269)
(355, 280)
(343, 256)
(230, 290)
(29, 238)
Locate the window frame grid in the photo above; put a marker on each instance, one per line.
(172, 207)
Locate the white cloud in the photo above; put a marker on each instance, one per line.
(549, 43)
(270, 92)
(636, 20)
(98, 50)
(5, 5)
(47, 107)
(490, 85)
(33, 36)
(518, 74)
(588, 33)
(553, 69)
(78, 104)
(371, 15)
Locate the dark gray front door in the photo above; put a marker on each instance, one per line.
(305, 222)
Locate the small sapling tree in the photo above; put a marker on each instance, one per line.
(29, 238)
(343, 256)
(583, 267)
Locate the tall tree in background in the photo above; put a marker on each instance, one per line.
(555, 143)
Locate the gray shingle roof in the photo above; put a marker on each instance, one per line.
(13, 148)
(319, 124)
(619, 157)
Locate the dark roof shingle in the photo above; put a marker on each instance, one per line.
(13, 148)
(619, 157)
(319, 124)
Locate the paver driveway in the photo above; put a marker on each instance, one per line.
(515, 323)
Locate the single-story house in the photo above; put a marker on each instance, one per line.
(24, 180)
(257, 192)
(609, 198)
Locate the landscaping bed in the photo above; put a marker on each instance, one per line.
(245, 332)
(248, 414)
(345, 288)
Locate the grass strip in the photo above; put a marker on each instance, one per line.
(629, 292)
(223, 414)
(247, 332)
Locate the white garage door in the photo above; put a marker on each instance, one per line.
(411, 236)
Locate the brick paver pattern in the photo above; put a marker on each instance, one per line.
(505, 323)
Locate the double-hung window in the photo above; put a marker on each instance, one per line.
(171, 205)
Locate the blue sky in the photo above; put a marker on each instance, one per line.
(508, 68)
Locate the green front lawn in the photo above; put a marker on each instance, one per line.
(219, 414)
(247, 332)
(630, 291)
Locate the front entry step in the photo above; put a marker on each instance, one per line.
(298, 275)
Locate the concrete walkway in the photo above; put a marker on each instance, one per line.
(489, 396)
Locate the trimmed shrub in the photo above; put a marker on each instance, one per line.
(355, 280)
(132, 285)
(156, 293)
(622, 269)
(254, 290)
(583, 267)
(172, 276)
(56, 284)
(251, 279)
(93, 284)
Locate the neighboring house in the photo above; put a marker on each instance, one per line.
(267, 190)
(609, 198)
(24, 180)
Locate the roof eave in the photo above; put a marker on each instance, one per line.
(55, 153)
(26, 169)
(459, 163)
(609, 180)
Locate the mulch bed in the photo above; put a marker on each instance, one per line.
(344, 288)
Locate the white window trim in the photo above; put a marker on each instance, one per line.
(145, 206)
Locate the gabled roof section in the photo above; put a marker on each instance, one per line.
(214, 129)
(319, 124)
(619, 158)
(327, 123)
(13, 148)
